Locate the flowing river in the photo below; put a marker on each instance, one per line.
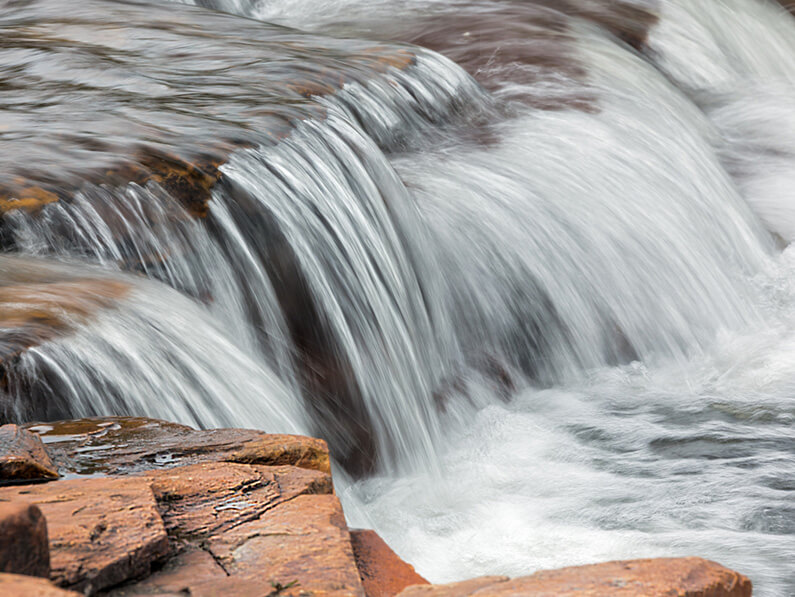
(528, 266)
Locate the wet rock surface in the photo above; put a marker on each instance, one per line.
(133, 113)
(24, 546)
(126, 445)
(23, 457)
(382, 571)
(662, 577)
(155, 508)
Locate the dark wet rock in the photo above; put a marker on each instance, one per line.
(662, 577)
(23, 457)
(133, 113)
(30, 586)
(527, 43)
(788, 4)
(24, 547)
(382, 571)
(102, 531)
(125, 445)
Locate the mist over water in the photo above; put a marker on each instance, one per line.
(563, 335)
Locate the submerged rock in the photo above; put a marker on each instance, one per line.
(24, 546)
(23, 457)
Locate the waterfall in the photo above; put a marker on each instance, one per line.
(532, 297)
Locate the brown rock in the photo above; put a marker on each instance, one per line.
(102, 531)
(208, 499)
(23, 457)
(24, 548)
(382, 571)
(30, 586)
(662, 577)
(465, 587)
(191, 566)
(302, 546)
(123, 445)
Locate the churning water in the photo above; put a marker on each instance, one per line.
(548, 309)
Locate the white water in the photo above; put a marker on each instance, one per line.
(615, 262)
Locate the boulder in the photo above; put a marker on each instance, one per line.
(382, 571)
(661, 577)
(24, 547)
(30, 586)
(23, 457)
(102, 531)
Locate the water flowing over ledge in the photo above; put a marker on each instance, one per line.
(561, 259)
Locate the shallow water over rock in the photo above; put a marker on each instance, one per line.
(525, 266)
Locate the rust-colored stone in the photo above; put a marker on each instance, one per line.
(24, 547)
(102, 531)
(662, 577)
(302, 545)
(23, 457)
(457, 589)
(30, 586)
(382, 571)
(305, 452)
(190, 567)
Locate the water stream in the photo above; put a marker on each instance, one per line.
(541, 303)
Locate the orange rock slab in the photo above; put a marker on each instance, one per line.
(102, 531)
(661, 577)
(302, 546)
(382, 571)
(31, 586)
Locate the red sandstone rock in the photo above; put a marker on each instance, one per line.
(24, 547)
(456, 589)
(190, 567)
(303, 545)
(23, 457)
(662, 577)
(30, 586)
(102, 531)
(207, 499)
(382, 571)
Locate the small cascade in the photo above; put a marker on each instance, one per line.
(539, 271)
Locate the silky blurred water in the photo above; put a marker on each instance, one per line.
(557, 289)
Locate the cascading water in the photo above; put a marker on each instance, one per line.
(549, 336)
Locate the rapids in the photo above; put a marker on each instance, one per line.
(534, 284)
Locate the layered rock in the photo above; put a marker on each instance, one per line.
(213, 512)
(663, 577)
(154, 508)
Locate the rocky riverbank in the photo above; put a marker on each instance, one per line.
(130, 506)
